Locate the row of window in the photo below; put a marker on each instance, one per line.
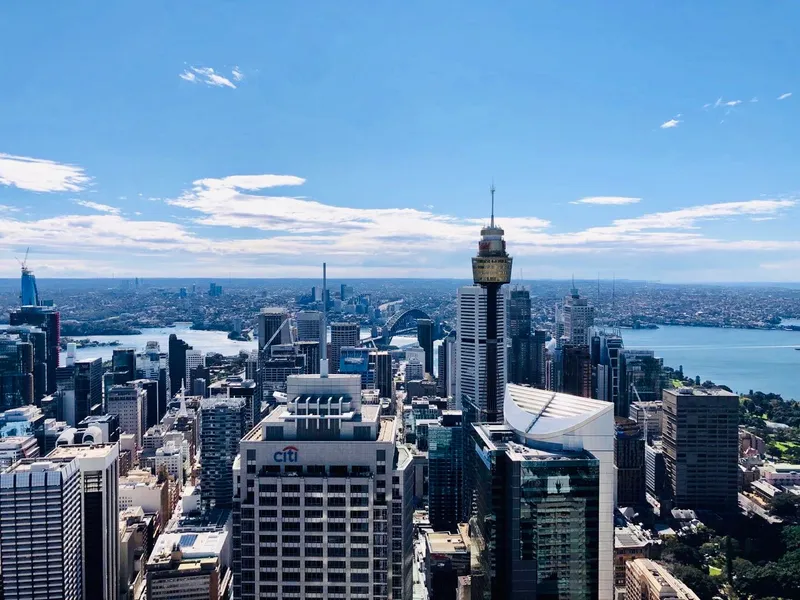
(316, 577)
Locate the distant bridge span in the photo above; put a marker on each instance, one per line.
(398, 323)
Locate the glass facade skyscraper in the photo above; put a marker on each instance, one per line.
(445, 471)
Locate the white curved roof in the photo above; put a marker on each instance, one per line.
(541, 414)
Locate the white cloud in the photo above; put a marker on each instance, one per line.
(670, 124)
(607, 200)
(39, 175)
(206, 75)
(785, 96)
(732, 103)
(105, 208)
(754, 99)
(237, 74)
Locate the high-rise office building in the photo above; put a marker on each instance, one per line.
(194, 359)
(629, 463)
(177, 362)
(98, 465)
(48, 320)
(151, 409)
(222, 425)
(309, 326)
(128, 402)
(41, 530)
(323, 498)
(356, 361)
(700, 434)
(606, 350)
(123, 364)
(384, 380)
(576, 370)
(641, 378)
(16, 373)
(520, 342)
(478, 393)
(88, 387)
(425, 339)
(578, 317)
(29, 292)
(342, 335)
(310, 350)
(545, 498)
(445, 471)
(648, 416)
(538, 358)
(273, 327)
(481, 329)
(445, 373)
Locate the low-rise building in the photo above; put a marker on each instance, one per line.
(648, 580)
(447, 560)
(630, 543)
(190, 566)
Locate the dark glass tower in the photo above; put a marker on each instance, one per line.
(177, 362)
(445, 471)
(491, 269)
(520, 360)
(49, 321)
(425, 339)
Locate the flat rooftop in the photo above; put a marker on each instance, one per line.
(202, 544)
(700, 391)
(446, 543)
(82, 451)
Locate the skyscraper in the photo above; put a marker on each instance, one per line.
(98, 465)
(578, 317)
(384, 382)
(123, 364)
(128, 402)
(520, 352)
(701, 448)
(425, 339)
(41, 530)
(576, 370)
(641, 378)
(309, 326)
(194, 359)
(444, 374)
(629, 462)
(323, 498)
(47, 320)
(342, 335)
(273, 325)
(177, 362)
(445, 471)
(545, 498)
(481, 323)
(29, 292)
(88, 387)
(538, 358)
(222, 425)
(16, 373)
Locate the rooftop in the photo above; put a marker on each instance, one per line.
(202, 544)
(700, 391)
(83, 451)
(446, 543)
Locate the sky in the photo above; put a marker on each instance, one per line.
(641, 140)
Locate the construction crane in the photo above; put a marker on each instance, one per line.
(24, 262)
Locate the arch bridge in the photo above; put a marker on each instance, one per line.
(399, 323)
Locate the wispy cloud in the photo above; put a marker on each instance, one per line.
(785, 96)
(208, 76)
(40, 175)
(237, 74)
(670, 124)
(104, 208)
(754, 99)
(615, 200)
(732, 103)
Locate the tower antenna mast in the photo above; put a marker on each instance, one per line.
(491, 190)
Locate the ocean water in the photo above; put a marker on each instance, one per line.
(742, 359)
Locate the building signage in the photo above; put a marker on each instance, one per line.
(287, 455)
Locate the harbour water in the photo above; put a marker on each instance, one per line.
(742, 359)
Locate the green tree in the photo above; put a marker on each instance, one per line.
(785, 505)
(699, 581)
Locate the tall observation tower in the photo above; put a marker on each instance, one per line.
(481, 328)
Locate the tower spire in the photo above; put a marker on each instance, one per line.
(323, 350)
(491, 190)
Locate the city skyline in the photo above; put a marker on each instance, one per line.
(671, 163)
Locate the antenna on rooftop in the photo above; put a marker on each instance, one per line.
(323, 342)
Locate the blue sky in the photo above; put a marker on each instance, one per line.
(646, 140)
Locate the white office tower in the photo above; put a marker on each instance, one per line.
(194, 359)
(323, 499)
(555, 428)
(310, 326)
(128, 402)
(40, 530)
(471, 355)
(98, 465)
(578, 317)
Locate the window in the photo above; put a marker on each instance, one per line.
(313, 551)
(337, 489)
(359, 577)
(267, 564)
(290, 539)
(361, 433)
(314, 564)
(313, 501)
(293, 488)
(336, 501)
(313, 539)
(313, 514)
(267, 539)
(290, 514)
(359, 514)
(337, 539)
(291, 564)
(291, 501)
(313, 488)
(380, 455)
(264, 488)
(359, 527)
(313, 576)
(337, 577)
(315, 527)
(359, 489)
(337, 552)
(337, 514)
(360, 564)
(290, 576)
(289, 526)
(265, 513)
(337, 564)
(273, 433)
